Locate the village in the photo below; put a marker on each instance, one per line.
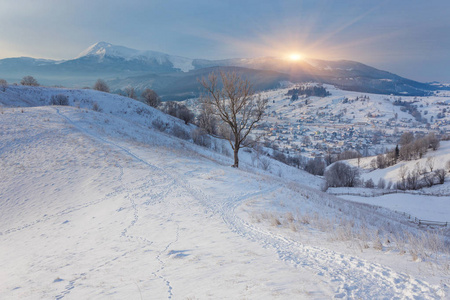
(367, 123)
(314, 126)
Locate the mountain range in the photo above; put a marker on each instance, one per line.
(176, 78)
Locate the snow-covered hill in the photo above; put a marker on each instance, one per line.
(101, 205)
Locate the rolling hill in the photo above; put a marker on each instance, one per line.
(102, 204)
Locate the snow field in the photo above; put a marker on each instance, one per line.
(146, 215)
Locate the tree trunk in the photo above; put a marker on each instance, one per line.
(236, 157)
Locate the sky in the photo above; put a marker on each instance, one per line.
(408, 37)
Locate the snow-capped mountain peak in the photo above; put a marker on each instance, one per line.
(103, 49)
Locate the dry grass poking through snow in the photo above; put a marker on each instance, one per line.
(426, 246)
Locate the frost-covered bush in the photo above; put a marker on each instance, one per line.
(59, 99)
(200, 137)
(369, 184)
(440, 175)
(160, 125)
(264, 163)
(381, 183)
(96, 107)
(179, 132)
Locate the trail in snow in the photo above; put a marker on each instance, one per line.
(151, 199)
(358, 278)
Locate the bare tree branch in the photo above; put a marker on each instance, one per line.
(236, 104)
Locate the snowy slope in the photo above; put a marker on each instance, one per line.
(99, 205)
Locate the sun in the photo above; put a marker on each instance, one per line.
(295, 56)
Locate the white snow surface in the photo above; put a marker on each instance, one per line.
(100, 205)
(424, 207)
(428, 203)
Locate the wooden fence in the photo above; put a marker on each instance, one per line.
(422, 222)
(413, 219)
(382, 193)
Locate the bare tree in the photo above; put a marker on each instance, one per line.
(341, 174)
(406, 138)
(412, 181)
(381, 161)
(429, 179)
(236, 104)
(101, 86)
(430, 163)
(402, 174)
(29, 80)
(130, 92)
(206, 118)
(315, 166)
(3, 84)
(306, 140)
(151, 97)
(433, 141)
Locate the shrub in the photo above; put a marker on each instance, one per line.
(130, 92)
(381, 183)
(389, 185)
(341, 174)
(151, 98)
(59, 99)
(185, 114)
(440, 175)
(429, 179)
(264, 163)
(412, 181)
(96, 107)
(179, 111)
(160, 125)
(29, 80)
(101, 86)
(3, 84)
(315, 166)
(369, 184)
(179, 132)
(200, 137)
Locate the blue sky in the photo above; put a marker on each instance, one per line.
(410, 38)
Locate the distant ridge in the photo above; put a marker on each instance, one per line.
(173, 76)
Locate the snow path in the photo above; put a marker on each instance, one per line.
(158, 197)
(160, 232)
(357, 277)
